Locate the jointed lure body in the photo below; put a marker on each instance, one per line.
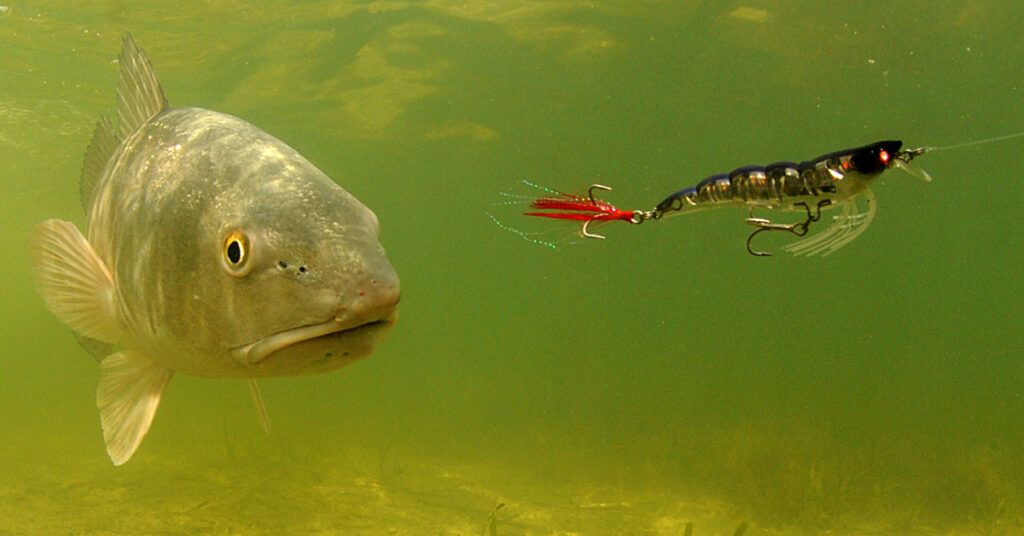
(835, 180)
(838, 179)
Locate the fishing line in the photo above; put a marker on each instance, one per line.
(976, 142)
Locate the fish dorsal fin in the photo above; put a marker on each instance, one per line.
(101, 148)
(73, 281)
(128, 395)
(139, 95)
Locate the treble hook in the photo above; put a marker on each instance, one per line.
(593, 200)
(586, 209)
(757, 222)
(587, 233)
(763, 224)
(590, 191)
(798, 228)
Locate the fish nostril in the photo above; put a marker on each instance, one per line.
(300, 270)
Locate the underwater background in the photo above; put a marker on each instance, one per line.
(634, 385)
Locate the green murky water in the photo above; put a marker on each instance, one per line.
(626, 386)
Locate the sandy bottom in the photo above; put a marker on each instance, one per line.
(358, 491)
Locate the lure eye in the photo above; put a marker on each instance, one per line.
(236, 254)
(871, 160)
(875, 158)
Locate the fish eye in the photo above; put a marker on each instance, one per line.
(236, 254)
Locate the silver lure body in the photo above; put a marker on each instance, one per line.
(829, 180)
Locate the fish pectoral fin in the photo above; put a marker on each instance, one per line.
(128, 395)
(73, 281)
(261, 409)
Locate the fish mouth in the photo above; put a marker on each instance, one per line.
(342, 323)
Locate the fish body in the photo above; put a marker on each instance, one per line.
(212, 249)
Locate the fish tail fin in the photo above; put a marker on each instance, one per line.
(73, 281)
(139, 95)
(128, 395)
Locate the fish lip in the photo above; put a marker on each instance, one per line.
(256, 352)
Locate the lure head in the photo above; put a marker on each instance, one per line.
(852, 170)
(875, 158)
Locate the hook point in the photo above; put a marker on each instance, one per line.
(587, 233)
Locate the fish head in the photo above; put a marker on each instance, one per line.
(300, 281)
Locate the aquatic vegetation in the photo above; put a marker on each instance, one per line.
(491, 528)
(390, 467)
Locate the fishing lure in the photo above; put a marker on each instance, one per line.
(838, 180)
